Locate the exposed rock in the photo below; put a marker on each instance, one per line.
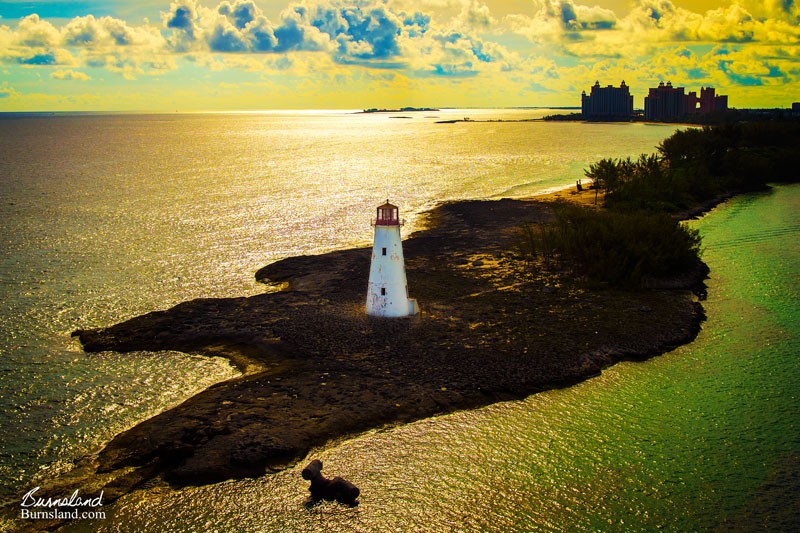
(321, 488)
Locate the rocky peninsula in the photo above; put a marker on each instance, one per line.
(494, 326)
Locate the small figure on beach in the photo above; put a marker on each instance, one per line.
(321, 488)
(579, 185)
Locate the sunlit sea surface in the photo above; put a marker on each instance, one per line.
(107, 217)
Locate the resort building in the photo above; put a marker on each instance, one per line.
(666, 103)
(607, 103)
(709, 101)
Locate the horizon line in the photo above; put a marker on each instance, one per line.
(264, 110)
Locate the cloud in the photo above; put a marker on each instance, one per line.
(454, 53)
(6, 91)
(361, 31)
(584, 18)
(225, 37)
(105, 41)
(356, 31)
(753, 67)
(40, 57)
(559, 46)
(70, 75)
(108, 32)
(47, 58)
(592, 31)
(368, 33)
(183, 18)
(353, 32)
(785, 10)
(130, 66)
(416, 24)
(476, 15)
(241, 12)
(239, 27)
(662, 21)
(562, 20)
(34, 32)
(455, 70)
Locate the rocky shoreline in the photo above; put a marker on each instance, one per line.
(493, 327)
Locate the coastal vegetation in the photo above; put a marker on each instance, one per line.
(696, 165)
(618, 248)
(634, 238)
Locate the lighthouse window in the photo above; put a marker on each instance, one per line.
(383, 290)
(383, 251)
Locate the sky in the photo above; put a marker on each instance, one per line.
(220, 55)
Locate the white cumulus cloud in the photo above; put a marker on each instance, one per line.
(70, 75)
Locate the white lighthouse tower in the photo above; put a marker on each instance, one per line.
(387, 293)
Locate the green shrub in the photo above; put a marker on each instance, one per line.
(619, 248)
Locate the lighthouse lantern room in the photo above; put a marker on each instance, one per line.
(387, 292)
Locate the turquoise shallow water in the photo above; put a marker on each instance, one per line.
(705, 437)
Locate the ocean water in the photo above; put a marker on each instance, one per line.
(703, 438)
(107, 217)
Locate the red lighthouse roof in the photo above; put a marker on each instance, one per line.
(387, 215)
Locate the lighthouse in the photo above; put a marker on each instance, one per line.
(387, 292)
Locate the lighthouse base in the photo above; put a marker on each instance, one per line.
(413, 309)
(381, 306)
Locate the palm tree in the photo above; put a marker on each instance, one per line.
(604, 175)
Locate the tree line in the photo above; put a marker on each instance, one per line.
(696, 165)
(634, 237)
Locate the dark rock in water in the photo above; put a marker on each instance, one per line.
(321, 488)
